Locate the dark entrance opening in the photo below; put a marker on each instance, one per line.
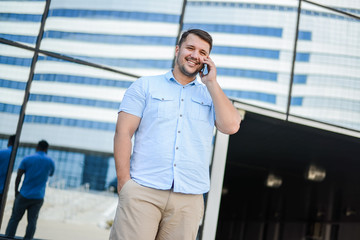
(300, 208)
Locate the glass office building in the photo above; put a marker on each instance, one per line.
(65, 65)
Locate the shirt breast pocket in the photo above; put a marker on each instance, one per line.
(200, 108)
(164, 105)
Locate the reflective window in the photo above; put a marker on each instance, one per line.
(327, 85)
(137, 37)
(349, 6)
(14, 68)
(20, 20)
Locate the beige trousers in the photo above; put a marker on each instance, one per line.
(146, 214)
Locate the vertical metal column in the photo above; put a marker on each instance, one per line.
(293, 60)
(217, 177)
(23, 108)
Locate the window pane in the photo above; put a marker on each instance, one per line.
(327, 86)
(135, 36)
(20, 20)
(14, 68)
(349, 6)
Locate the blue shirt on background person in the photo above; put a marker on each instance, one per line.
(5, 155)
(38, 167)
(4, 164)
(171, 115)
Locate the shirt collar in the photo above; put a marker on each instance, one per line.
(170, 77)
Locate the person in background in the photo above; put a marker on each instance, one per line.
(4, 163)
(173, 117)
(37, 168)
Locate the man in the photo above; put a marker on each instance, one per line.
(37, 168)
(4, 163)
(173, 117)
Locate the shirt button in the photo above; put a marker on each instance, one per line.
(180, 115)
(177, 148)
(182, 99)
(174, 164)
(162, 99)
(178, 131)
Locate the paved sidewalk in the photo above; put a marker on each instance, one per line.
(57, 230)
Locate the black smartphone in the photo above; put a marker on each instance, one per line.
(204, 70)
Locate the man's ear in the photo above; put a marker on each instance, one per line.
(177, 50)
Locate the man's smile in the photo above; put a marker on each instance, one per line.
(192, 62)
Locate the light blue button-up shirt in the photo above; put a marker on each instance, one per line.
(173, 142)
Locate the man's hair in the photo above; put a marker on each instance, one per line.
(11, 140)
(42, 146)
(198, 32)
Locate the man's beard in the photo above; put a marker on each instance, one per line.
(184, 71)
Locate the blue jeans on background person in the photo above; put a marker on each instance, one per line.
(22, 204)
